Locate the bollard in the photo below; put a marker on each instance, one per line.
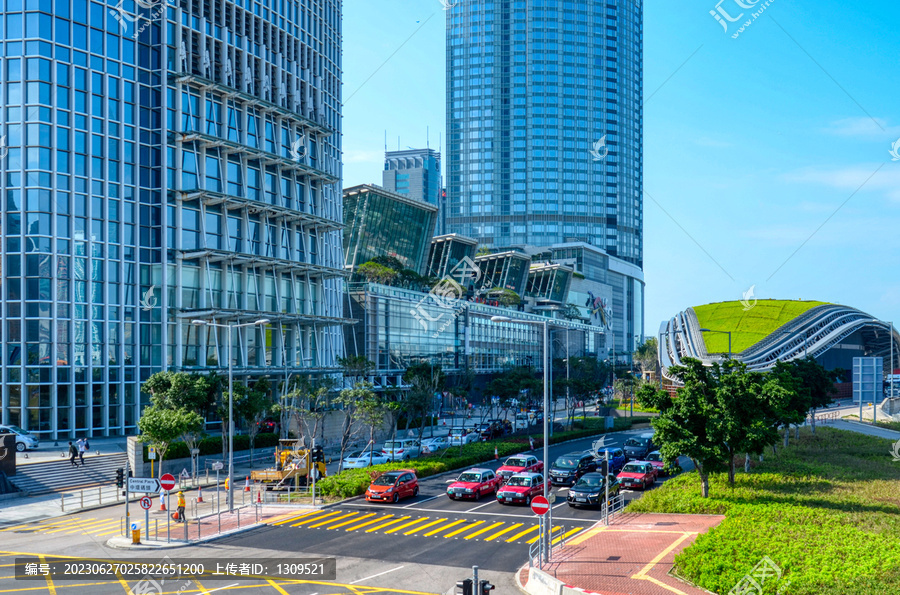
(135, 537)
(185, 523)
(100, 494)
(82, 498)
(220, 522)
(198, 529)
(239, 517)
(62, 502)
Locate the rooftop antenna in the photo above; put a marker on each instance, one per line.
(385, 140)
(427, 142)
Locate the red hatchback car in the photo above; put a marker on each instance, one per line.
(521, 488)
(637, 474)
(519, 464)
(393, 485)
(474, 484)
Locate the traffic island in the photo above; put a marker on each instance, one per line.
(633, 555)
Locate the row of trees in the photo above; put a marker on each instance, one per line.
(724, 410)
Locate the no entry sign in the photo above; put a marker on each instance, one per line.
(540, 505)
(146, 502)
(167, 481)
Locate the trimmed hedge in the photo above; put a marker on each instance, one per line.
(212, 445)
(353, 482)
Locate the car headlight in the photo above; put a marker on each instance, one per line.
(468, 491)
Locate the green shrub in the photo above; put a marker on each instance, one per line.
(212, 445)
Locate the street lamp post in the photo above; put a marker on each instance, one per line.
(230, 327)
(709, 330)
(546, 324)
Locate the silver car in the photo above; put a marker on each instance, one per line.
(24, 440)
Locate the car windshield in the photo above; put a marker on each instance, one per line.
(391, 445)
(355, 455)
(514, 462)
(633, 468)
(457, 431)
(564, 463)
(635, 442)
(17, 429)
(470, 477)
(589, 482)
(519, 481)
(388, 479)
(654, 456)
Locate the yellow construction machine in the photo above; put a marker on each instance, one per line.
(292, 466)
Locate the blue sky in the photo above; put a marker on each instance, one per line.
(766, 156)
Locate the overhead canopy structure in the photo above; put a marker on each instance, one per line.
(775, 330)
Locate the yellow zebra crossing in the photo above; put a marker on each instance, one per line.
(446, 528)
(70, 526)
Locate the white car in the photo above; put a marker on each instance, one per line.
(460, 435)
(24, 440)
(361, 459)
(435, 444)
(402, 450)
(523, 421)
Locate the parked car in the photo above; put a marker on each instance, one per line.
(638, 447)
(617, 459)
(567, 469)
(663, 468)
(363, 458)
(434, 444)
(267, 426)
(474, 484)
(501, 425)
(591, 490)
(402, 450)
(24, 440)
(393, 485)
(489, 430)
(460, 435)
(637, 474)
(520, 463)
(523, 421)
(521, 488)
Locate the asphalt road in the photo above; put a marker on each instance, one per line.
(420, 545)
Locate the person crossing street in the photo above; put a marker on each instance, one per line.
(181, 506)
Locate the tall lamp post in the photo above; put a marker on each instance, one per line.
(709, 330)
(546, 324)
(230, 327)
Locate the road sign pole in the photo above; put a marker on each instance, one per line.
(127, 516)
(606, 485)
(475, 589)
(168, 519)
(147, 523)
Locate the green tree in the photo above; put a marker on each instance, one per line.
(506, 297)
(253, 405)
(814, 383)
(370, 409)
(509, 384)
(356, 368)
(391, 262)
(424, 380)
(376, 273)
(583, 378)
(646, 355)
(160, 427)
(314, 398)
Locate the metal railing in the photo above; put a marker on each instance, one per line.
(88, 497)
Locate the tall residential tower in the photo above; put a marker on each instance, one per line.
(173, 164)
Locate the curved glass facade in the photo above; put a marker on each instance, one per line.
(545, 123)
(165, 162)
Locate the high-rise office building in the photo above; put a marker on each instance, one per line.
(544, 123)
(167, 163)
(416, 173)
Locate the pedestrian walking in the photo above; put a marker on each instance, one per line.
(73, 452)
(81, 449)
(181, 507)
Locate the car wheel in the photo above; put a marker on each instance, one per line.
(477, 495)
(527, 500)
(416, 492)
(396, 498)
(20, 446)
(406, 458)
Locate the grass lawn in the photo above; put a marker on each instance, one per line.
(826, 510)
(747, 326)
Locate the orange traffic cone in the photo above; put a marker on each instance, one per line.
(162, 503)
(259, 497)
(247, 484)
(496, 456)
(199, 494)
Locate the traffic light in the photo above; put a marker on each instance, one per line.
(466, 587)
(486, 588)
(603, 467)
(120, 477)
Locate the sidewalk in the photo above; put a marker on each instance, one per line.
(47, 452)
(632, 556)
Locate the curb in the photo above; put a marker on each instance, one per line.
(519, 584)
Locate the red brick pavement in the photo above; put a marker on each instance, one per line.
(209, 526)
(631, 556)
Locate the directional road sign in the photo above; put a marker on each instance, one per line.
(145, 485)
(217, 466)
(540, 505)
(146, 502)
(167, 481)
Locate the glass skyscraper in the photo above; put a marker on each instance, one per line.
(545, 124)
(164, 163)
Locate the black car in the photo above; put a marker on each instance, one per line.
(567, 469)
(591, 490)
(638, 447)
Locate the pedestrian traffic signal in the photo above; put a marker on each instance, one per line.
(466, 587)
(486, 588)
(120, 477)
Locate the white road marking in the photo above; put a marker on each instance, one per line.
(374, 575)
(421, 501)
(219, 589)
(480, 506)
(524, 515)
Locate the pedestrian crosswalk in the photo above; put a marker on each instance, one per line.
(69, 526)
(404, 524)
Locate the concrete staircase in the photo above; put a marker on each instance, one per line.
(35, 479)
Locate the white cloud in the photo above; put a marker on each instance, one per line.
(887, 180)
(863, 127)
